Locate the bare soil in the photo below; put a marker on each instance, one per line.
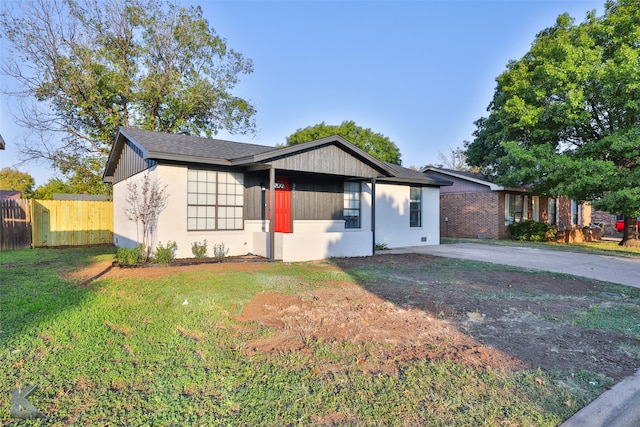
(479, 318)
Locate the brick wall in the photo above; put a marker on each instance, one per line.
(471, 215)
(606, 219)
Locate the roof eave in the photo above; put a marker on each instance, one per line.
(183, 158)
(417, 181)
(491, 185)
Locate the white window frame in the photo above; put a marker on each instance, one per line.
(517, 212)
(415, 207)
(575, 213)
(552, 216)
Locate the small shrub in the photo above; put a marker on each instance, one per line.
(129, 256)
(532, 231)
(381, 247)
(219, 251)
(165, 254)
(199, 250)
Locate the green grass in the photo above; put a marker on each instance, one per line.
(129, 352)
(616, 316)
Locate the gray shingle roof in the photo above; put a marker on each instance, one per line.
(166, 145)
(403, 174)
(193, 149)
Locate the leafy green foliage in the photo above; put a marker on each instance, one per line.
(129, 256)
(165, 254)
(564, 118)
(92, 66)
(381, 246)
(54, 185)
(376, 144)
(14, 180)
(199, 250)
(532, 231)
(219, 251)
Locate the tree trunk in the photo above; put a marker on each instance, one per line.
(630, 232)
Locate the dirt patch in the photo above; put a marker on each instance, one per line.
(403, 308)
(350, 314)
(151, 271)
(523, 315)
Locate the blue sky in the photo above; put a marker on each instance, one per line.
(419, 72)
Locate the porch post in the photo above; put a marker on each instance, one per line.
(272, 213)
(373, 215)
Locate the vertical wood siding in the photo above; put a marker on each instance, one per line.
(15, 224)
(71, 222)
(130, 163)
(321, 198)
(326, 160)
(314, 197)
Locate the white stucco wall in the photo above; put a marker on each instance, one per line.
(310, 240)
(126, 233)
(392, 217)
(313, 246)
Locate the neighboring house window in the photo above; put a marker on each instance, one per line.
(535, 206)
(553, 216)
(415, 207)
(215, 200)
(351, 205)
(513, 207)
(575, 213)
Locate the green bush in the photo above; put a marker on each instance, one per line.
(199, 250)
(219, 251)
(129, 256)
(165, 254)
(532, 231)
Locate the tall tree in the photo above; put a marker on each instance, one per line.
(376, 144)
(565, 118)
(49, 188)
(86, 67)
(455, 160)
(15, 180)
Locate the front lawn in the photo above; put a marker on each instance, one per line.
(173, 346)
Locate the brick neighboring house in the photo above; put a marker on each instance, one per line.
(475, 207)
(10, 195)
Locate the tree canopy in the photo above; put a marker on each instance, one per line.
(86, 67)
(565, 118)
(15, 180)
(376, 144)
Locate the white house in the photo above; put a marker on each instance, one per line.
(328, 198)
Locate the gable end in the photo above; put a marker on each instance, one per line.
(328, 159)
(131, 162)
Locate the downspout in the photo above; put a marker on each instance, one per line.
(373, 215)
(272, 213)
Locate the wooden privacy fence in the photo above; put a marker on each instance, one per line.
(58, 223)
(15, 224)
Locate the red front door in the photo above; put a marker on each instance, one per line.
(282, 208)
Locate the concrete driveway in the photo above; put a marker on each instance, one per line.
(624, 271)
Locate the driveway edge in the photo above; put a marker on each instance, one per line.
(616, 407)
